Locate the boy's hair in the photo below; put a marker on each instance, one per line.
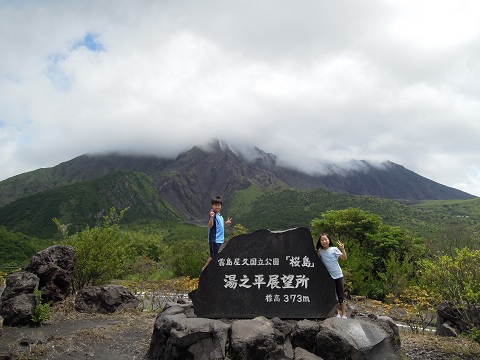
(216, 200)
(319, 243)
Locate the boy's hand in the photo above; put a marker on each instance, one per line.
(212, 213)
(228, 222)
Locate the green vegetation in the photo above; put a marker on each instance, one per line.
(84, 204)
(459, 208)
(381, 258)
(43, 310)
(17, 248)
(286, 208)
(101, 253)
(456, 279)
(143, 253)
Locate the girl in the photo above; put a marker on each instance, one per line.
(329, 255)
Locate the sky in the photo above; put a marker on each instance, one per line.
(311, 81)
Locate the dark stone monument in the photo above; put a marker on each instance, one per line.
(266, 273)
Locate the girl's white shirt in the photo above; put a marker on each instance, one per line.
(330, 260)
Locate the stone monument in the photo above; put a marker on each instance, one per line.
(266, 273)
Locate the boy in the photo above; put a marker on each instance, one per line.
(216, 228)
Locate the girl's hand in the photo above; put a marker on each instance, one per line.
(342, 249)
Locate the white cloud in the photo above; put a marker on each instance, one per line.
(310, 81)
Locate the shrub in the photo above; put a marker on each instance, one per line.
(43, 311)
(101, 253)
(457, 279)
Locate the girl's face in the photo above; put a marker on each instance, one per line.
(324, 241)
(217, 207)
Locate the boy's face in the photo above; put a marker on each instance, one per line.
(217, 207)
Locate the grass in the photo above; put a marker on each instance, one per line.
(449, 347)
(460, 208)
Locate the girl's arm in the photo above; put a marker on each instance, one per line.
(342, 249)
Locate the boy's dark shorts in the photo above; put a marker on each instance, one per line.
(214, 247)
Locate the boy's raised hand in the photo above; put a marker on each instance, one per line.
(212, 213)
(229, 221)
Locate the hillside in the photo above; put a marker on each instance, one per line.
(258, 193)
(86, 203)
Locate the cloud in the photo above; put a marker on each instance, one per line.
(309, 82)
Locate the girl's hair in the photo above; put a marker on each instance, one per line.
(319, 244)
(216, 200)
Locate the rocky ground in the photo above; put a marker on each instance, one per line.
(74, 336)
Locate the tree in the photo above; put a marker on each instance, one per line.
(394, 277)
(451, 236)
(370, 244)
(348, 224)
(101, 253)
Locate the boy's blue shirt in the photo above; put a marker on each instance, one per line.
(216, 233)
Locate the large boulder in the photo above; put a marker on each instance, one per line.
(304, 334)
(105, 299)
(302, 354)
(178, 334)
(181, 337)
(359, 338)
(452, 321)
(18, 300)
(54, 267)
(260, 338)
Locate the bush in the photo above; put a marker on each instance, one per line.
(101, 253)
(457, 279)
(189, 256)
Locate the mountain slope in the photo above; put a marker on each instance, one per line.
(188, 182)
(86, 203)
(79, 169)
(388, 180)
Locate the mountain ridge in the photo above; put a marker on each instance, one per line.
(216, 166)
(181, 188)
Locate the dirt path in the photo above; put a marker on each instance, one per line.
(118, 336)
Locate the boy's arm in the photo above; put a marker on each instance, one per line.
(212, 216)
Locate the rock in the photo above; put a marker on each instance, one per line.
(18, 300)
(304, 334)
(54, 267)
(452, 321)
(179, 337)
(105, 299)
(302, 354)
(259, 338)
(172, 308)
(266, 273)
(359, 338)
(447, 329)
